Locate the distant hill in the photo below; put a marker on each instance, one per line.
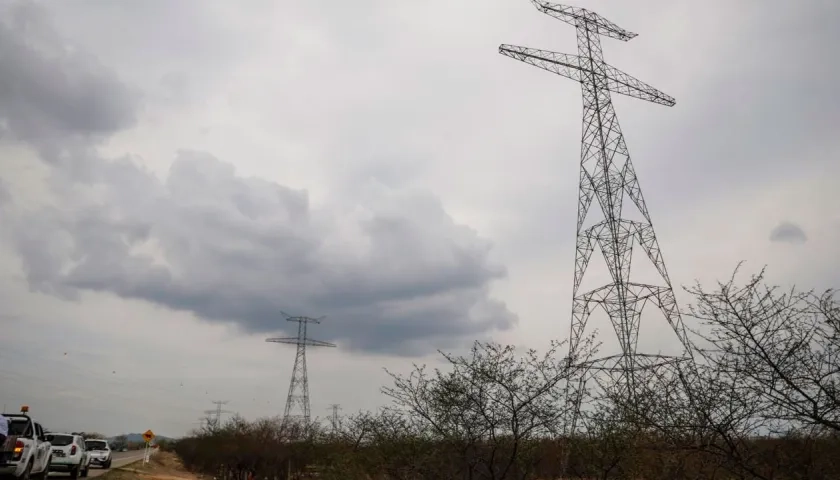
(138, 438)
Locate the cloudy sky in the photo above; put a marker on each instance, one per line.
(176, 174)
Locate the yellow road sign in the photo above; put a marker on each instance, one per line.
(148, 435)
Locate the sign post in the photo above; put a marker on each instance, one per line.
(148, 436)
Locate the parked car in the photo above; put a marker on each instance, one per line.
(26, 452)
(99, 451)
(69, 454)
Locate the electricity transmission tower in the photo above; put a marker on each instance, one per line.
(214, 417)
(299, 385)
(607, 176)
(334, 421)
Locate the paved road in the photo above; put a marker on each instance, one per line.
(118, 460)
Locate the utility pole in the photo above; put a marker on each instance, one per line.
(607, 176)
(299, 385)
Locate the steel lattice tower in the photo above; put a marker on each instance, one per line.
(607, 175)
(300, 378)
(334, 419)
(214, 419)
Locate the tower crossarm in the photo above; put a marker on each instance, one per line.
(624, 84)
(296, 341)
(560, 63)
(297, 318)
(572, 67)
(582, 17)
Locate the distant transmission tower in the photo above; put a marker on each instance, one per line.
(607, 174)
(214, 417)
(334, 421)
(299, 385)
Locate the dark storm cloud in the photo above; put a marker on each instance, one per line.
(394, 273)
(788, 232)
(391, 269)
(50, 93)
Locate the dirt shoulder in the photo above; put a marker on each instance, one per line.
(162, 466)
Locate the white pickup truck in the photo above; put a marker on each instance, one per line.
(26, 453)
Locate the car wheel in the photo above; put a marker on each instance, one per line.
(107, 464)
(85, 472)
(74, 473)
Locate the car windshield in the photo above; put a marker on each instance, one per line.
(60, 440)
(95, 445)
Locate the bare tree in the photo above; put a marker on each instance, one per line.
(760, 402)
(492, 406)
(781, 348)
(767, 367)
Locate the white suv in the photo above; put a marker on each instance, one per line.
(99, 452)
(69, 454)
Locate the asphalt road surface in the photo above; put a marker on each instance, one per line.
(118, 459)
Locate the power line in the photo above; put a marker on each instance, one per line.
(299, 385)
